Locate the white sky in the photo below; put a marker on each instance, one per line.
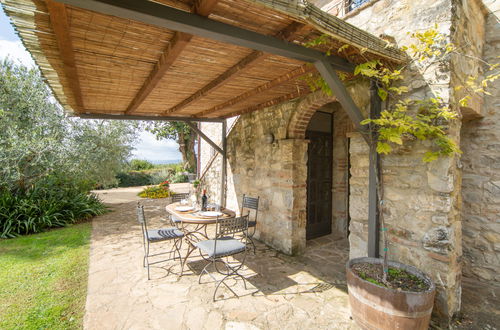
(147, 147)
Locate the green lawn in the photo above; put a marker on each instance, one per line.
(43, 279)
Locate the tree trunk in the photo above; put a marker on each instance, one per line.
(186, 147)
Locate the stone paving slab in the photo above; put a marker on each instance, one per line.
(304, 292)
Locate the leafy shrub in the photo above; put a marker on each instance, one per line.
(180, 178)
(155, 192)
(133, 179)
(159, 175)
(140, 165)
(49, 205)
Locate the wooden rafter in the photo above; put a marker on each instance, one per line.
(60, 26)
(168, 57)
(204, 7)
(278, 100)
(248, 62)
(235, 71)
(258, 90)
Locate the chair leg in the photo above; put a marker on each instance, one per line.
(204, 270)
(250, 240)
(190, 250)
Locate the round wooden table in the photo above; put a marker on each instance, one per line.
(194, 226)
(193, 217)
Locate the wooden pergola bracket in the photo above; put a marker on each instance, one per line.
(222, 151)
(206, 138)
(328, 73)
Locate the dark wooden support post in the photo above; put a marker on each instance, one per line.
(374, 176)
(328, 73)
(224, 165)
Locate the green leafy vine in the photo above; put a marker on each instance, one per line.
(409, 119)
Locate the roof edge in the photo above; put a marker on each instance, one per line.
(335, 27)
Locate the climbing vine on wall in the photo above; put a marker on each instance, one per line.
(407, 118)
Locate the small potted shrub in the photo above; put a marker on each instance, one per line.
(402, 299)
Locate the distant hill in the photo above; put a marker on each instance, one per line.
(164, 162)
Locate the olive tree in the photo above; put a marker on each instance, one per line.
(37, 139)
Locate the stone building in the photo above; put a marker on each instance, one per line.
(208, 60)
(443, 217)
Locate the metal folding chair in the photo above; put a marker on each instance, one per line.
(249, 204)
(150, 236)
(222, 246)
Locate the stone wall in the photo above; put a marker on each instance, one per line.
(422, 201)
(341, 126)
(481, 173)
(468, 34)
(275, 172)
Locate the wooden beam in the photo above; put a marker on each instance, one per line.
(169, 56)
(159, 15)
(145, 117)
(204, 7)
(166, 60)
(250, 61)
(206, 138)
(258, 90)
(269, 103)
(332, 79)
(246, 63)
(60, 26)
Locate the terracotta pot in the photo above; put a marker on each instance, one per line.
(376, 307)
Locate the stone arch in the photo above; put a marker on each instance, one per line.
(305, 110)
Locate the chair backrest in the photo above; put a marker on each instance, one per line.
(250, 203)
(231, 226)
(179, 197)
(141, 218)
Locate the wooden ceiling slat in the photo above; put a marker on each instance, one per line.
(60, 26)
(249, 61)
(246, 63)
(269, 103)
(278, 81)
(167, 58)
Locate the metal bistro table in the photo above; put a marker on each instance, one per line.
(194, 225)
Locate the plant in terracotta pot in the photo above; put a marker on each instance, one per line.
(387, 294)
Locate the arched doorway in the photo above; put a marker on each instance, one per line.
(319, 132)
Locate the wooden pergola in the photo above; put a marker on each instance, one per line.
(189, 60)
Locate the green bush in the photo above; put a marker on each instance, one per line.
(180, 178)
(140, 165)
(52, 203)
(157, 176)
(133, 179)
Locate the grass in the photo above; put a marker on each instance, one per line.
(43, 279)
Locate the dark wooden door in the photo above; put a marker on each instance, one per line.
(319, 184)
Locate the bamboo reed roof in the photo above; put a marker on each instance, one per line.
(100, 64)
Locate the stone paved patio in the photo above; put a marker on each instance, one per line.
(284, 292)
(305, 292)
